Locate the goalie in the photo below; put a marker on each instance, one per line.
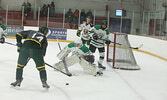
(3, 33)
(81, 55)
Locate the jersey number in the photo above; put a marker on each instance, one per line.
(39, 38)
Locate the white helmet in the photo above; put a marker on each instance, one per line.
(78, 42)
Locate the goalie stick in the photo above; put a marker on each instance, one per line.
(64, 62)
(58, 69)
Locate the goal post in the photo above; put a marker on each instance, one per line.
(119, 52)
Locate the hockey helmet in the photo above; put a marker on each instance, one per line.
(104, 24)
(1, 20)
(85, 31)
(44, 30)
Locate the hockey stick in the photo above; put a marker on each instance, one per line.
(123, 45)
(10, 43)
(64, 62)
(129, 47)
(57, 69)
(58, 44)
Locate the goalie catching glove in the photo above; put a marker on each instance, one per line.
(89, 58)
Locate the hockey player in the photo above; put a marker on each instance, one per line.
(80, 54)
(34, 47)
(99, 38)
(83, 31)
(3, 33)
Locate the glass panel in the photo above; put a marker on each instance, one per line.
(72, 18)
(13, 16)
(3, 14)
(56, 18)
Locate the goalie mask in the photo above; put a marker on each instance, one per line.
(89, 58)
(78, 43)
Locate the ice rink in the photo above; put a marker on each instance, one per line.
(149, 83)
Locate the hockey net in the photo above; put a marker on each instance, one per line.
(119, 52)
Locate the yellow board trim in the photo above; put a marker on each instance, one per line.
(162, 58)
(149, 53)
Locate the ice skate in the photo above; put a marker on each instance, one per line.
(45, 85)
(101, 66)
(17, 83)
(99, 73)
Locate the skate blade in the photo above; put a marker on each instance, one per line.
(15, 87)
(45, 89)
(98, 74)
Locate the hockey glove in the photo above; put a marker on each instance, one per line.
(95, 36)
(108, 42)
(2, 40)
(19, 45)
(78, 33)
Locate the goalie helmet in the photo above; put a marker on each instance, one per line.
(78, 43)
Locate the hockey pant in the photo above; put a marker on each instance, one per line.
(90, 68)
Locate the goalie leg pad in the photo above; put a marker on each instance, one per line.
(63, 53)
(90, 68)
(69, 61)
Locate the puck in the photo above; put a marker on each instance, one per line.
(67, 83)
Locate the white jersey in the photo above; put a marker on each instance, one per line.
(102, 36)
(83, 26)
(2, 33)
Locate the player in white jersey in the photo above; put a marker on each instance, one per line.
(3, 33)
(99, 38)
(80, 54)
(83, 31)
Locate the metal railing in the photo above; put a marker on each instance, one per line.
(138, 23)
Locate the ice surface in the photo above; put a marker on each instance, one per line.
(149, 83)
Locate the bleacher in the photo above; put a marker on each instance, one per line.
(15, 18)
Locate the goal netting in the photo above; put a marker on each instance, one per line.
(119, 53)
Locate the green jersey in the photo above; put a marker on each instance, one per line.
(82, 50)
